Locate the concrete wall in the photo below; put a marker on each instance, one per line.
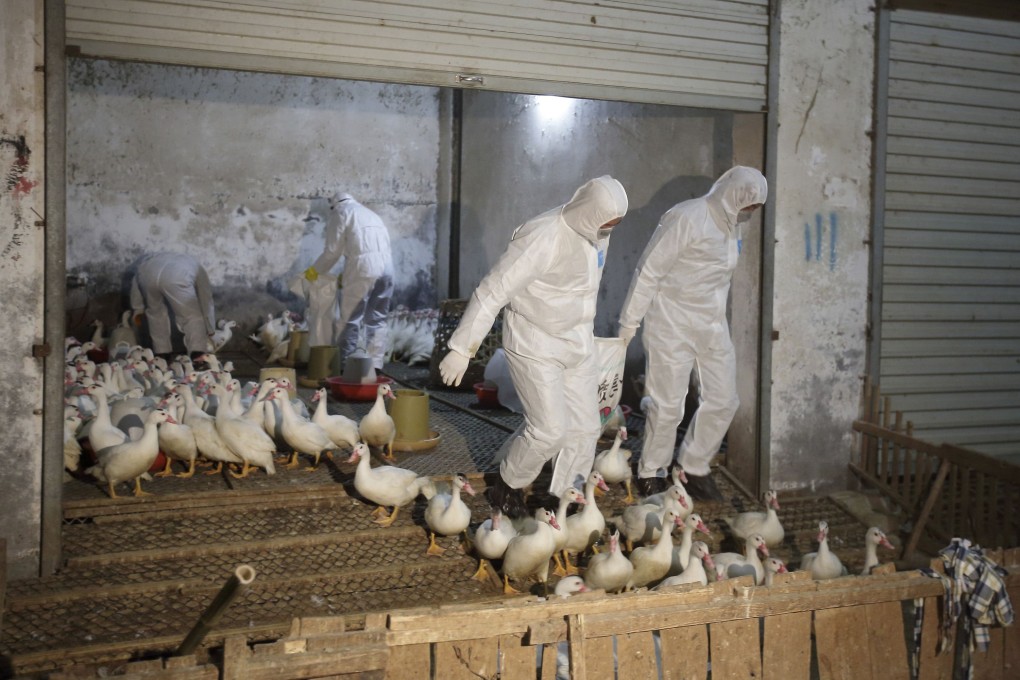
(22, 242)
(822, 216)
(225, 165)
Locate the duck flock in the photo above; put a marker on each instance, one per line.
(122, 412)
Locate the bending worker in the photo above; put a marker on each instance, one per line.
(174, 281)
(358, 235)
(549, 279)
(680, 290)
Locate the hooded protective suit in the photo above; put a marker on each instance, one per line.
(549, 279)
(359, 236)
(179, 281)
(680, 289)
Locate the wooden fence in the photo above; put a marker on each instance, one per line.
(947, 490)
(852, 627)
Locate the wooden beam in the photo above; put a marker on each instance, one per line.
(929, 503)
(982, 9)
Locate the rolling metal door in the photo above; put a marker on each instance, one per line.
(706, 53)
(950, 257)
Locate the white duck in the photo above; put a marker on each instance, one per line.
(176, 439)
(490, 540)
(72, 448)
(244, 436)
(130, 460)
(447, 514)
(614, 464)
(733, 565)
(585, 527)
(302, 435)
(377, 427)
(873, 538)
(609, 570)
(570, 585)
(678, 478)
(695, 571)
(385, 485)
(102, 434)
(341, 429)
(569, 495)
(651, 563)
(823, 564)
(765, 523)
(207, 438)
(773, 566)
(643, 523)
(223, 334)
(682, 553)
(528, 554)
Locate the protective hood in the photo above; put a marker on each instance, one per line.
(340, 197)
(737, 188)
(596, 202)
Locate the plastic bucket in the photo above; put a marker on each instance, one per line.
(410, 413)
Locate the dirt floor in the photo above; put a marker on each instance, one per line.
(139, 572)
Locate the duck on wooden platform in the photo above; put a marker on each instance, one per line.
(377, 427)
(447, 514)
(386, 485)
(130, 460)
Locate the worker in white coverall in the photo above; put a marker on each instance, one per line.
(680, 290)
(358, 235)
(177, 282)
(548, 279)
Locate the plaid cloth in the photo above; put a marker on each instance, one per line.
(975, 589)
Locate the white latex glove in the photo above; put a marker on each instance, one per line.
(453, 367)
(626, 334)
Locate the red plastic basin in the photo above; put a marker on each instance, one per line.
(348, 391)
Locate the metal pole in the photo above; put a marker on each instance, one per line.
(242, 576)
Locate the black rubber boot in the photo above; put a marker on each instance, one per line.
(648, 486)
(703, 488)
(508, 500)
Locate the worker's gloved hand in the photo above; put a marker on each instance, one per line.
(626, 334)
(453, 366)
(311, 274)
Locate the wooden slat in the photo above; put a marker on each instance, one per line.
(517, 660)
(842, 641)
(597, 658)
(635, 656)
(886, 446)
(408, 661)
(550, 662)
(685, 652)
(889, 658)
(787, 652)
(899, 469)
(933, 665)
(735, 649)
(1011, 641)
(468, 659)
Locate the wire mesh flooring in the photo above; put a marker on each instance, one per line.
(138, 572)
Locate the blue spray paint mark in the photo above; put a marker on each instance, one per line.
(818, 236)
(740, 243)
(807, 242)
(833, 228)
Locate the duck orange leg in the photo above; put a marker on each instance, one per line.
(434, 548)
(245, 471)
(167, 470)
(482, 573)
(559, 570)
(568, 565)
(389, 451)
(630, 494)
(190, 472)
(388, 521)
(216, 470)
(113, 494)
(315, 465)
(379, 511)
(507, 588)
(293, 461)
(138, 488)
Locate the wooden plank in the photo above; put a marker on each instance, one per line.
(929, 503)
(990, 664)
(685, 652)
(888, 473)
(787, 646)
(597, 658)
(550, 662)
(933, 666)
(1011, 640)
(635, 656)
(899, 481)
(889, 657)
(468, 659)
(735, 649)
(517, 661)
(408, 661)
(842, 642)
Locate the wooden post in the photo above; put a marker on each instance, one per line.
(901, 484)
(929, 503)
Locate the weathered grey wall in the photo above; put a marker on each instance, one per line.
(22, 243)
(225, 164)
(823, 210)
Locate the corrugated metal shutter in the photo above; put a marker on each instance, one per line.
(707, 53)
(950, 322)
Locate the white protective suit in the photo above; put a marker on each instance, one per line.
(549, 279)
(680, 289)
(179, 281)
(359, 236)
